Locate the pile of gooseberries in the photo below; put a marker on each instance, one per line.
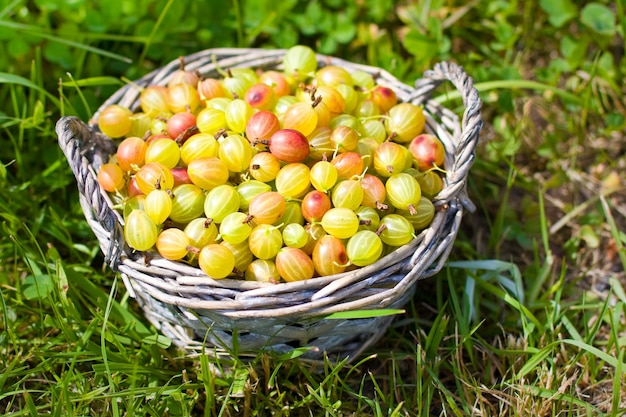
(272, 175)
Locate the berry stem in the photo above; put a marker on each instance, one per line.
(316, 101)
(436, 168)
(220, 133)
(192, 249)
(186, 134)
(381, 206)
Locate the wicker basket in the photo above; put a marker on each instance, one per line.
(235, 317)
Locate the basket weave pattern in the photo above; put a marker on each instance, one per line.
(195, 310)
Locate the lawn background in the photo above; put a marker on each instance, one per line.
(528, 317)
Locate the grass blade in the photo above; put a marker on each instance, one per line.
(535, 360)
(512, 85)
(617, 386)
(35, 31)
(6, 78)
(92, 82)
(538, 357)
(436, 334)
(155, 28)
(364, 314)
(555, 395)
(30, 404)
(615, 231)
(103, 346)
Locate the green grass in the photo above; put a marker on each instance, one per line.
(527, 318)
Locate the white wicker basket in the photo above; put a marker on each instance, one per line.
(196, 311)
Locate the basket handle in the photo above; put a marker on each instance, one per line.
(446, 71)
(77, 140)
(471, 122)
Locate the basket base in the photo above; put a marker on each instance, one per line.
(313, 339)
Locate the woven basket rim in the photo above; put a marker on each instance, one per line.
(245, 55)
(379, 285)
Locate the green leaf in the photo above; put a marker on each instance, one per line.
(334, 3)
(7, 33)
(598, 18)
(48, 5)
(328, 45)
(378, 9)
(18, 47)
(559, 11)
(345, 29)
(96, 22)
(37, 287)
(573, 50)
(606, 67)
(285, 37)
(615, 120)
(59, 54)
(588, 234)
(505, 101)
(314, 13)
(505, 32)
(419, 45)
